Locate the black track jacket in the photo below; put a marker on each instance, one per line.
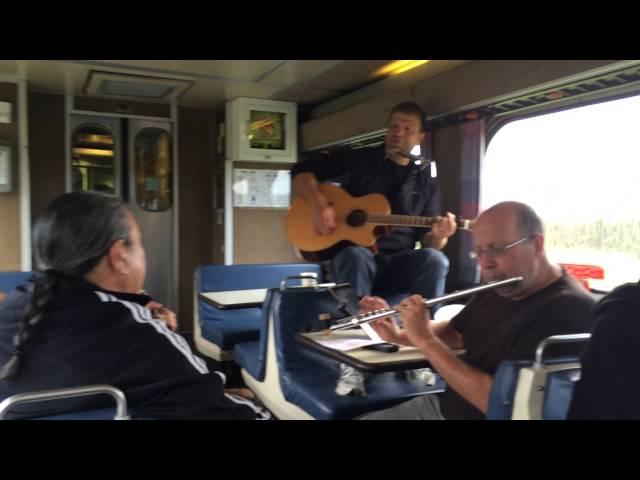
(93, 336)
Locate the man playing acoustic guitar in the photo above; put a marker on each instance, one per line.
(394, 265)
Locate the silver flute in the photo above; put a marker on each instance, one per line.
(358, 320)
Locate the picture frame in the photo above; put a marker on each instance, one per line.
(261, 130)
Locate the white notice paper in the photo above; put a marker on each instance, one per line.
(261, 188)
(4, 166)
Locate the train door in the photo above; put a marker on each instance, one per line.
(151, 200)
(132, 159)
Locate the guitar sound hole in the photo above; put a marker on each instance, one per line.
(356, 218)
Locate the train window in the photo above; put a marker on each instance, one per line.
(579, 169)
(153, 169)
(92, 162)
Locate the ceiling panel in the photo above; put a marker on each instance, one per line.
(384, 86)
(8, 67)
(213, 93)
(55, 77)
(305, 95)
(296, 71)
(348, 74)
(309, 82)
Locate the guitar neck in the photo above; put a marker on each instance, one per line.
(410, 221)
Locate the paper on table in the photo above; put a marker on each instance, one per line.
(373, 335)
(343, 344)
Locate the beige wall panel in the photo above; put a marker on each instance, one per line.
(10, 201)
(195, 157)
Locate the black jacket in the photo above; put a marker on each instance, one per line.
(92, 336)
(609, 387)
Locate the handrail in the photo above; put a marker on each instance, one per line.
(575, 337)
(60, 393)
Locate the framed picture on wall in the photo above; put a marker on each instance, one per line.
(261, 130)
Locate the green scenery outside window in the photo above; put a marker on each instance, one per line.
(580, 170)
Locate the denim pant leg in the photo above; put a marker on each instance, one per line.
(357, 266)
(421, 271)
(432, 274)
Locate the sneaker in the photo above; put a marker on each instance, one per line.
(421, 377)
(351, 381)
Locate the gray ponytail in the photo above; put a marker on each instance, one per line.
(69, 238)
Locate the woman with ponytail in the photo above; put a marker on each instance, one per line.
(84, 321)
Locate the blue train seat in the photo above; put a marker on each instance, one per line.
(300, 384)
(10, 280)
(538, 389)
(218, 330)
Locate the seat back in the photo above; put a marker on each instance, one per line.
(535, 389)
(548, 381)
(543, 393)
(266, 383)
(216, 330)
(531, 390)
(558, 393)
(216, 278)
(10, 280)
(301, 310)
(120, 412)
(503, 390)
(308, 379)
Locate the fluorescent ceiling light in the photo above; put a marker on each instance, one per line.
(399, 66)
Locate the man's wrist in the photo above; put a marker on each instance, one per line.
(428, 342)
(320, 200)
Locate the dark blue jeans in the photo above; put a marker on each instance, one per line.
(411, 271)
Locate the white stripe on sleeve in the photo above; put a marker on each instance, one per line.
(143, 315)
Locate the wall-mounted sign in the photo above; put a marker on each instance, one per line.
(261, 188)
(5, 168)
(5, 112)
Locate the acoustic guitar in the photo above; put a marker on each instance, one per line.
(358, 222)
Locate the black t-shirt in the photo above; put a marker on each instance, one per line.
(411, 190)
(609, 387)
(496, 329)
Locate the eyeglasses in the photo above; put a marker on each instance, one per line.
(494, 252)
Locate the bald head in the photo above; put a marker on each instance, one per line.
(509, 242)
(521, 217)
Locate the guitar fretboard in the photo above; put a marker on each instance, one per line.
(410, 221)
(400, 220)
